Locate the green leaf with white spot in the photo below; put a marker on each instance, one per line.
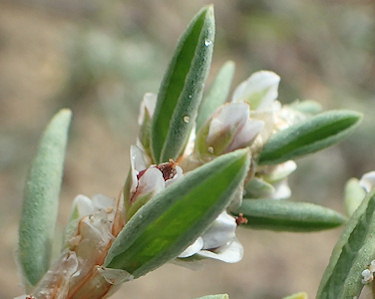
(41, 197)
(174, 218)
(181, 89)
(315, 134)
(217, 95)
(352, 254)
(285, 215)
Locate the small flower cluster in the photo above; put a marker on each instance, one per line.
(248, 120)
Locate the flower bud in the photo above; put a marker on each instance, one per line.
(145, 182)
(229, 128)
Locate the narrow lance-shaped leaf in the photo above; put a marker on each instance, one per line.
(174, 218)
(352, 254)
(217, 94)
(181, 89)
(317, 133)
(40, 203)
(283, 215)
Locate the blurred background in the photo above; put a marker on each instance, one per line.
(99, 58)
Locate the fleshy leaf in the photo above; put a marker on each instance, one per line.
(284, 215)
(217, 94)
(354, 194)
(174, 218)
(352, 254)
(181, 90)
(219, 296)
(40, 203)
(315, 134)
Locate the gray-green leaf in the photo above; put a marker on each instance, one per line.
(283, 215)
(174, 218)
(181, 90)
(40, 203)
(217, 95)
(317, 133)
(352, 254)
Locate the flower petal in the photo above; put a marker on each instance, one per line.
(151, 181)
(282, 190)
(84, 205)
(367, 181)
(137, 163)
(192, 249)
(147, 106)
(231, 253)
(220, 232)
(259, 90)
(281, 171)
(246, 134)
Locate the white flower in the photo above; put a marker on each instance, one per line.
(145, 181)
(280, 171)
(282, 190)
(367, 181)
(259, 90)
(218, 242)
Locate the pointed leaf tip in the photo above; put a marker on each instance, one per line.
(181, 89)
(317, 133)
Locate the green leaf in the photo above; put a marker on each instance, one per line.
(283, 215)
(41, 196)
(301, 295)
(174, 218)
(315, 134)
(352, 254)
(219, 296)
(354, 194)
(217, 94)
(181, 90)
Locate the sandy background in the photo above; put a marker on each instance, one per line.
(99, 58)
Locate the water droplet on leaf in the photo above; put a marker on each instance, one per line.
(186, 119)
(207, 42)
